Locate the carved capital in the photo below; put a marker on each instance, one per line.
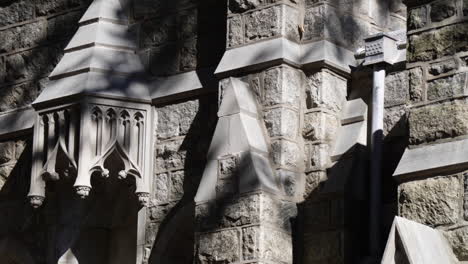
(36, 201)
(82, 191)
(143, 198)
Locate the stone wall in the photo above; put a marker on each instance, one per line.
(436, 110)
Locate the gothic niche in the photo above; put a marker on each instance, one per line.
(77, 142)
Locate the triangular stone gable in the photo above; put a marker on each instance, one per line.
(100, 59)
(414, 243)
(240, 138)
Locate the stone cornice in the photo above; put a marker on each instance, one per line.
(281, 50)
(433, 158)
(16, 121)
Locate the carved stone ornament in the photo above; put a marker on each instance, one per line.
(91, 139)
(94, 116)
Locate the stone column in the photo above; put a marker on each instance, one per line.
(246, 202)
(433, 169)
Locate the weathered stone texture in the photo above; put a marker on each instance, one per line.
(438, 43)
(318, 156)
(170, 155)
(18, 95)
(447, 87)
(15, 11)
(188, 55)
(282, 85)
(396, 88)
(416, 84)
(436, 121)
(433, 201)
(465, 7)
(326, 90)
(161, 188)
(176, 119)
(46, 7)
(439, 68)
(7, 151)
(417, 17)
(442, 9)
(235, 31)
(281, 122)
(156, 32)
(323, 247)
(395, 121)
(266, 244)
(336, 25)
(458, 238)
(22, 36)
(320, 126)
(28, 65)
(262, 24)
(62, 26)
(219, 247)
(286, 154)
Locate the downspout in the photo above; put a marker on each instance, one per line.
(375, 184)
(380, 50)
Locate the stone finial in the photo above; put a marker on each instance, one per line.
(36, 201)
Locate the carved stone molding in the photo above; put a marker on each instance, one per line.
(81, 140)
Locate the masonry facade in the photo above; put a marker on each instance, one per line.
(239, 131)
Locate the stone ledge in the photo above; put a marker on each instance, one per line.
(16, 121)
(433, 159)
(280, 50)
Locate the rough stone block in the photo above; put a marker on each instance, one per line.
(313, 180)
(164, 60)
(286, 154)
(46, 7)
(439, 68)
(237, 6)
(417, 17)
(442, 9)
(326, 90)
(161, 188)
(176, 119)
(447, 87)
(176, 189)
(318, 156)
(433, 201)
(156, 32)
(277, 213)
(282, 85)
(458, 238)
(266, 244)
(395, 121)
(396, 88)
(17, 96)
(243, 211)
(281, 122)
(437, 43)
(465, 8)
(15, 11)
(188, 25)
(5, 171)
(7, 151)
(170, 155)
(219, 247)
(264, 23)
(323, 248)
(416, 84)
(62, 26)
(336, 25)
(320, 126)
(28, 65)
(188, 55)
(436, 121)
(226, 188)
(227, 167)
(235, 31)
(22, 36)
